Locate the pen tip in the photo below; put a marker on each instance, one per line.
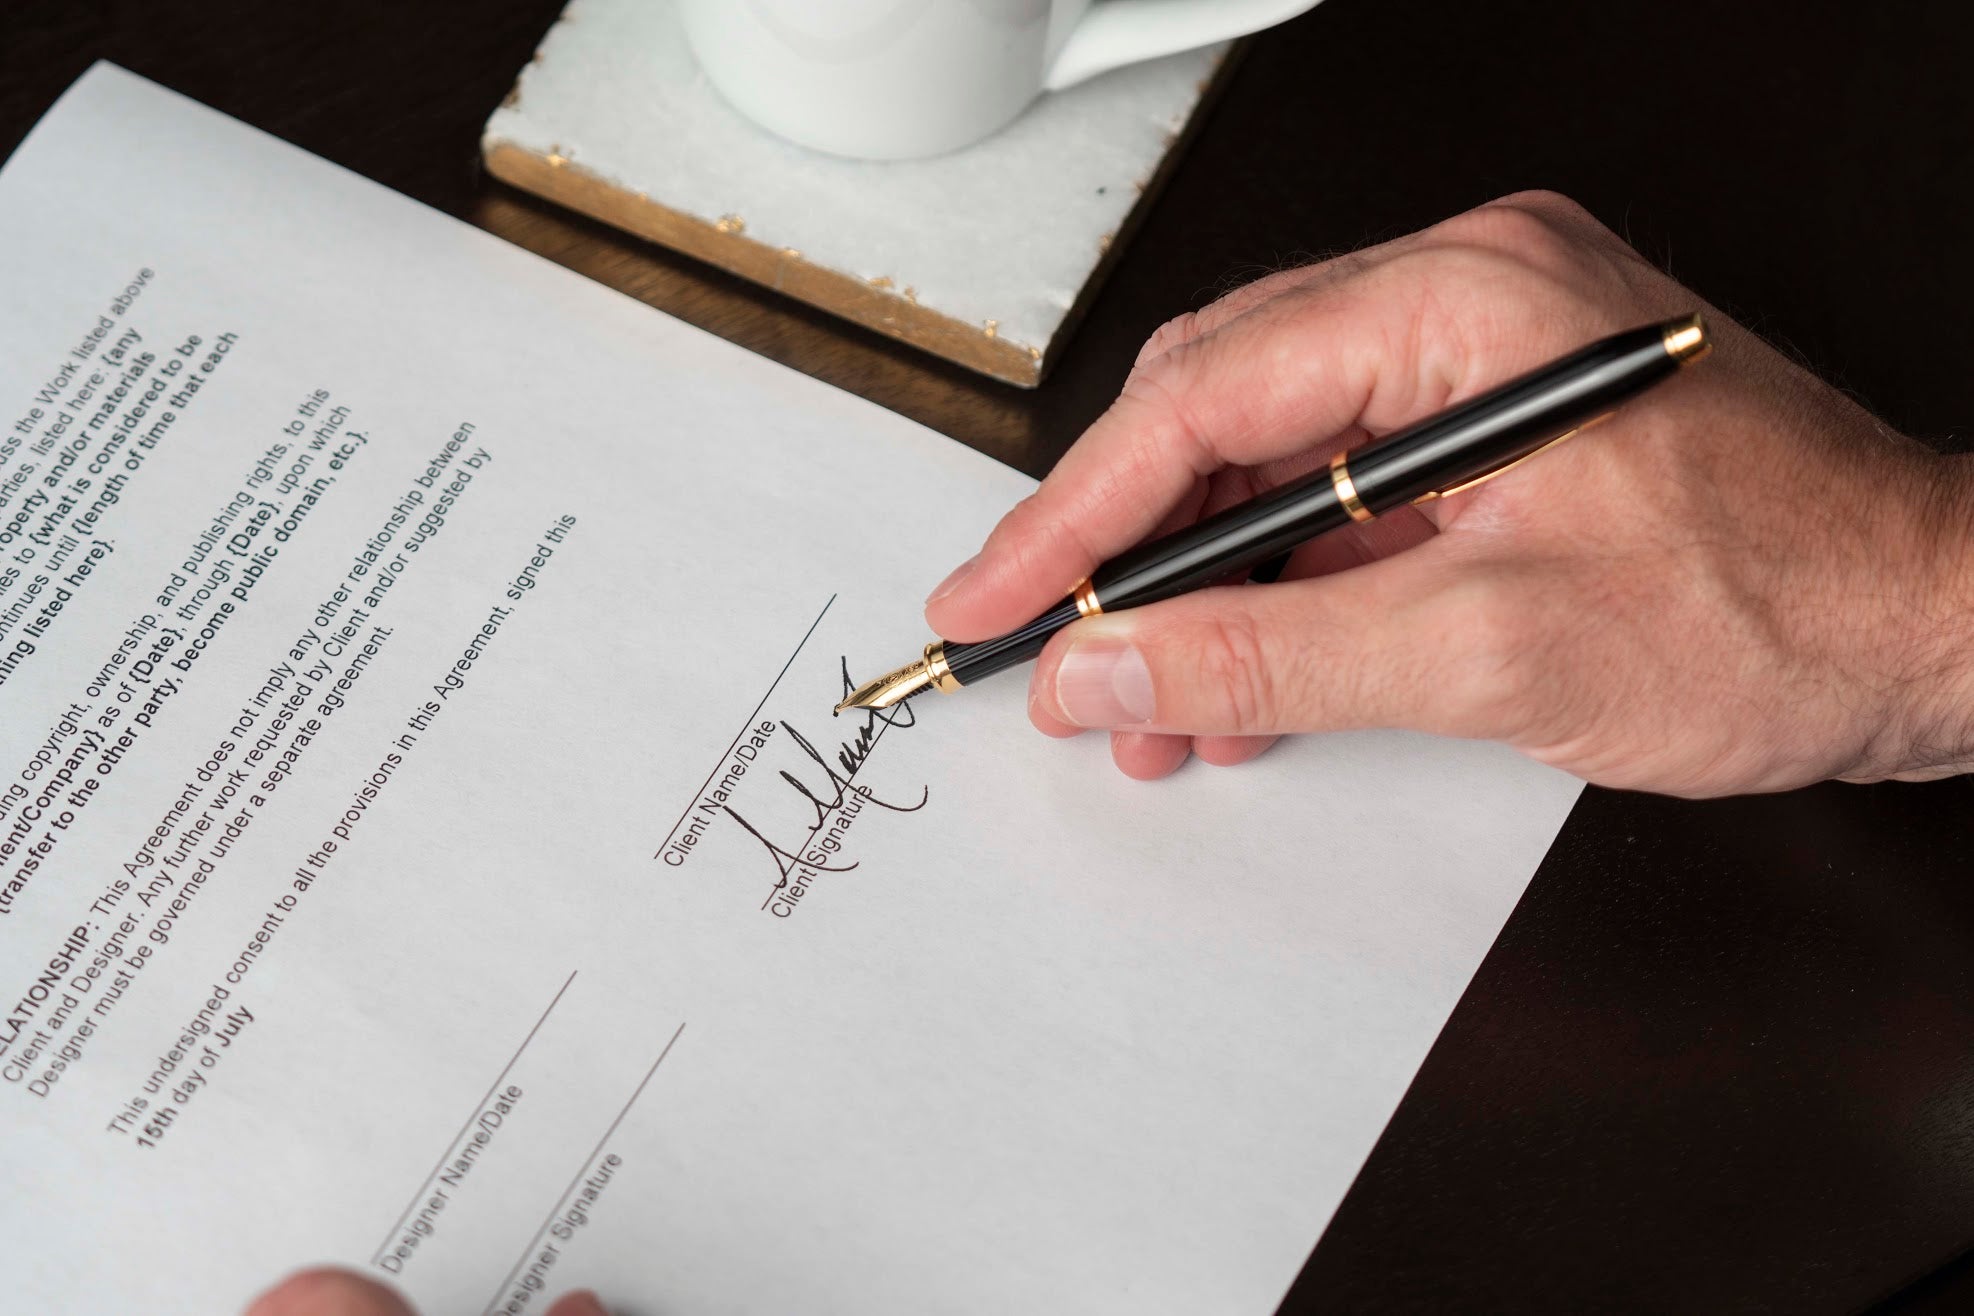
(891, 688)
(857, 698)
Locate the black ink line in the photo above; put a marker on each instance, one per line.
(721, 762)
(488, 1096)
(581, 1170)
(848, 781)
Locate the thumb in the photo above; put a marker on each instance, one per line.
(1412, 641)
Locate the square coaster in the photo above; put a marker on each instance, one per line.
(985, 256)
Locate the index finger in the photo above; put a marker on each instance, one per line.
(1292, 374)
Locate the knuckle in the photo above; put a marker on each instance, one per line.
(1557, 208)
(1156, 381)
(1311, 274)
(1180, 330)
(1452, 280)
(1257, 296)
(1515, 229)
(1161, 397)
(1232, 661)
(1557, 241)
(1501, 286)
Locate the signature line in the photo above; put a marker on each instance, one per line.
(824, 820)
(594, 1152)
(744, 727)
(422, 1183)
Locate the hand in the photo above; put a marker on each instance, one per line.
(1741, 582)
(329, 1292)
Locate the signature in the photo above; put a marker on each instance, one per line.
(838, 782)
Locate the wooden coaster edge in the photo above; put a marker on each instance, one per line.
(882, 311)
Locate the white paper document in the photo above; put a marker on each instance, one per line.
(426, 846)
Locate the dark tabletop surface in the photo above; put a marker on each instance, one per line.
(1722, 1057)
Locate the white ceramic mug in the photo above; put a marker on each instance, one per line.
(896, 79)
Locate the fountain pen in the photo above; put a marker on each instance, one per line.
(1443, 455)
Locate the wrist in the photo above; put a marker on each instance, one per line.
(1935, 679)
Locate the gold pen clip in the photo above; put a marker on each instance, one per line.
(1507, 466)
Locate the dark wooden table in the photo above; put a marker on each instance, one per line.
(1722, 1058)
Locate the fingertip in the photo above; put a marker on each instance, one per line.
(1044, 709)
(582, 1302)
(1040, 714)
(953, 619)
(328, 1291)
(991, 592)
(987, 595)
(947, 598)
(1231, 751)
(974, 608)
(1147, 755)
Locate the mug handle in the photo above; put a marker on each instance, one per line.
(1119, 32)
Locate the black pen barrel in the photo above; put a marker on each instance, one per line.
(970, 662)
(1509, 422)
(1217, 548)
(1228, 543)
(1450, 450)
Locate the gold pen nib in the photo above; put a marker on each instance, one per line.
(929, 672)
(891, 688)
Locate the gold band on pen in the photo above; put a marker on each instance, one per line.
(1347, 490)
(942, 676)
(1086, 598)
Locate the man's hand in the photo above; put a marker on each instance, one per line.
(327, 1292)
(1741, 582)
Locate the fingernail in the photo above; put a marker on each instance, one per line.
(1103, 682)
(582, 1302)
(952, 582)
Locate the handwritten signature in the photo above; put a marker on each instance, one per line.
(839, 778)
